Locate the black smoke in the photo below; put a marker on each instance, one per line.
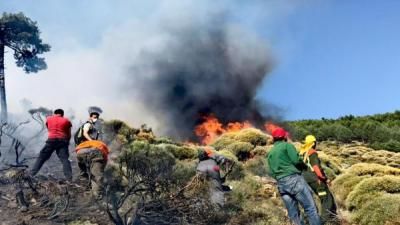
(202, 68)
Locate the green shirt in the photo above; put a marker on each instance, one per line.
(282, 160)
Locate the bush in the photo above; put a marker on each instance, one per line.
(184, 171)
(180, 152)
(148, 161)
(244, 190)
(117, 129)
(391, 145)
(252, 136)
(237, 173)
(330, 165)
(240, 149)
(371, 188)
(163, 140)
(229, 155)
(346, 182)
(253, 206)
(257, 166)
(223, 141)
(260, 150)
(381, 210)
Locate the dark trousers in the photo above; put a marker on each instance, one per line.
(328, 205)
(61, 148)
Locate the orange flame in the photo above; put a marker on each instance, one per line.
(270, 127)
(211, 128)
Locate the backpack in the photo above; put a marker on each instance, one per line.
(78, 136)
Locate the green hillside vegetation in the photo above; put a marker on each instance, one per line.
(360, 175)
(381, 131)
(156, 177)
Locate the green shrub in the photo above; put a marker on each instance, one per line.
(163, 140)
(257, 166)
(240, 149)
(223, 141)
(184, 171)
(237, 173)
(381, 210)
(244, 190)
(261, 150)
(118, 129)
(252, 136)
(391, 145)
(347, 181)
(371, 188)
(180, 152)
(229, 155)
(147, 160)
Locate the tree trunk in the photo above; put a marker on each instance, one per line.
(3, 101)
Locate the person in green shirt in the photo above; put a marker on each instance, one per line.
(317, 180)
(283, 161)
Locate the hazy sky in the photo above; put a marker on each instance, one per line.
(332, 58)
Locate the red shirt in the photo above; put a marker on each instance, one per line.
(58, 127)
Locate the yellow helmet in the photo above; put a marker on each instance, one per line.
(310, 139)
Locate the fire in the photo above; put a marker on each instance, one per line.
(270, 127)
(212, 128)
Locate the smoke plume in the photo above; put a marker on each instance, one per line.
(204, 67)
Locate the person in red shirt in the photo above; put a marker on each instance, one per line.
(59, 134)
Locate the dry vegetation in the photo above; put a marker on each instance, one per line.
(159, 177)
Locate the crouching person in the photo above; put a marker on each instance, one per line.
(92, 159)
(209, 165)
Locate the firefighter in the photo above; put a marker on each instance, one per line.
(283, 161)
(59, 134)
(209, 165)
(90, 131)
(92, 159)
(317, 180)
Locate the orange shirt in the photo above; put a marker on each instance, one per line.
(95, 144)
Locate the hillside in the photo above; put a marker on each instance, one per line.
(366, 184)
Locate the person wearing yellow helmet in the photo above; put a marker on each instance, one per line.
(317, 180)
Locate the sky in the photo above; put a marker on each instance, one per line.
(331, 58)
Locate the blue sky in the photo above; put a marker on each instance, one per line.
(332, 57)
(336, 58)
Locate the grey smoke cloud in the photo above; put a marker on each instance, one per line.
(181, 59)
(203, 67)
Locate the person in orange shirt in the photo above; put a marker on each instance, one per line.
(92, 159)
